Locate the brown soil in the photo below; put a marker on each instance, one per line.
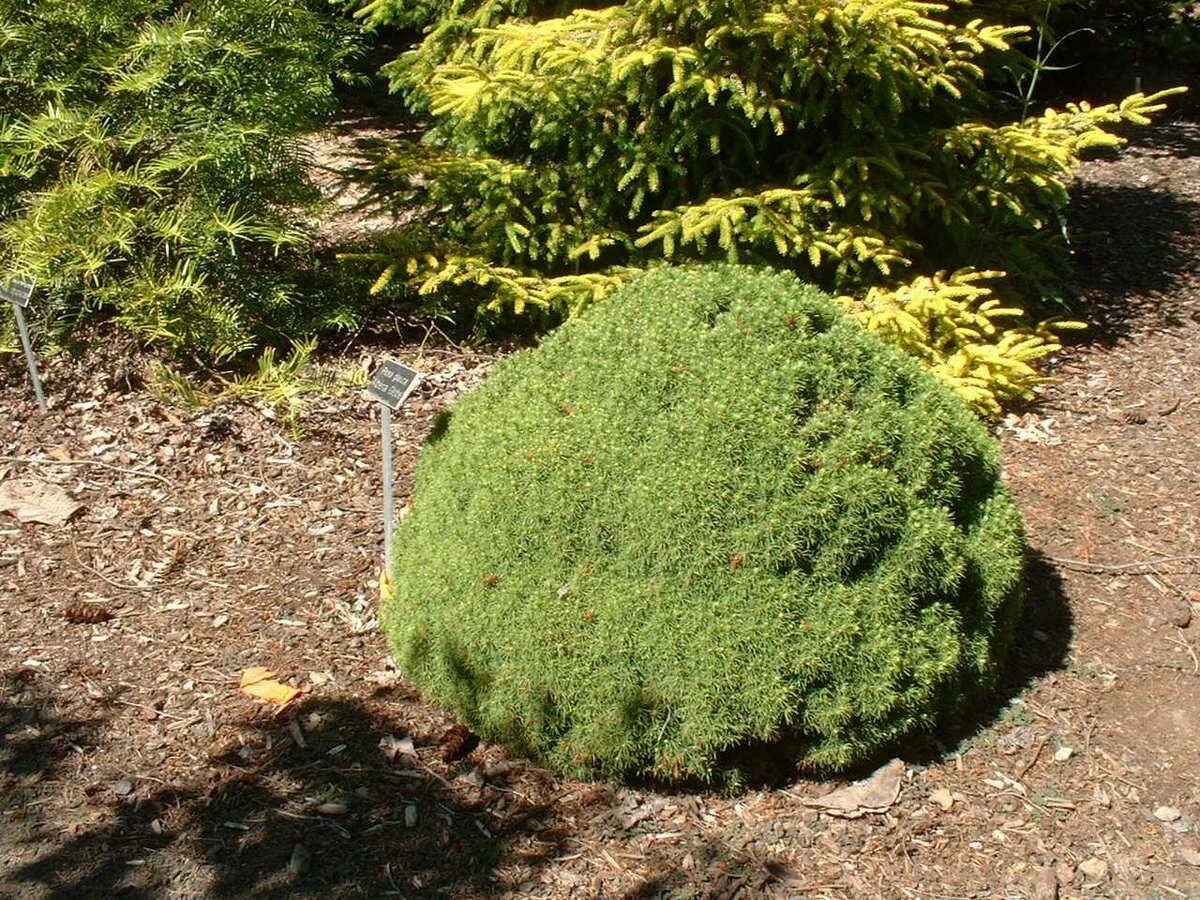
(133, 766)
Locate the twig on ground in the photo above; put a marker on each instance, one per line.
(1037, 751)
(109, 581)
(33, 461)
(1191, 652)
(1080, 565)
(149, 709)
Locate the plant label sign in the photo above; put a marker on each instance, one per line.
(17, 292)
(392, 384)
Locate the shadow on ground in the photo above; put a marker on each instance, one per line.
(1041, 645)
(1180, 138)
(1132, 246)
(726, 873)
(332, 818)
(36, 737)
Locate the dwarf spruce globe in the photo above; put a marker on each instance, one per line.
(709, 513)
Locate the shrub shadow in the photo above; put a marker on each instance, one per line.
(1179, 139)
(725, 873)
(331, 818)
(39, 743)
(1041, 645)
(36, 740)
(1132, 246)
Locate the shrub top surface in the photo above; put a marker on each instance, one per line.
(709, 512)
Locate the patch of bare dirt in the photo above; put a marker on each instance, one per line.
(344, 147)
(212, 542)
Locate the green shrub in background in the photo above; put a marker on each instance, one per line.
(149, 162)
(852, 141)
(707, 512)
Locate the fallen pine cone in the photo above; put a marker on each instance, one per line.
(87, 613)
(457, 742)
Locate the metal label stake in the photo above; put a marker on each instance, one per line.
(18, 292)
(391, 386)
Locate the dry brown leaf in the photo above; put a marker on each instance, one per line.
(874, 794)
(33, 500)
(254, 675)
(260, 683)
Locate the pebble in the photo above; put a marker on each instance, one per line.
(1167, 814)
(123, 788)
(1179, 613)
(333, 809)
(942, 798)
(299, 861)
(1062, 754)
(1190, 856)
(1063, 872)
(1094, 869)
(1044, 885)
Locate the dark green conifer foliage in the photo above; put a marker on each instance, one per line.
(709, 511)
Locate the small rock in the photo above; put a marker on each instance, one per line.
(1190, 856)
(299, 861)
(474, 777)
(123, 788)
(1062, 754)
(1094, 869)
(1167, 814)
(410, 816)
(393, 747)
(1063, 872)
(1044, 885)
(1179, 613)
(942, 798)
(333, 808)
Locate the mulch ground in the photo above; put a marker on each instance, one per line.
(213, 541)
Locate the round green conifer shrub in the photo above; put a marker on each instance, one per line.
(707, 513)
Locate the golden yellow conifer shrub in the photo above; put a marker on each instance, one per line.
(854, 142)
